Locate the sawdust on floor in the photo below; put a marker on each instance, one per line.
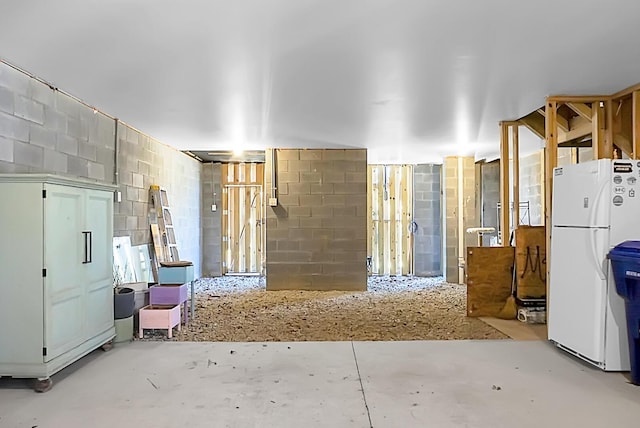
(257, 315)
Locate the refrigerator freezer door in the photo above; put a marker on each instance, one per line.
(581, 194)
(577, 291)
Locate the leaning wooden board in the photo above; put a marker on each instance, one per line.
(531, 262)
(489, 278)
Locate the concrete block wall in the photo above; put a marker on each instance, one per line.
(45, 131)
(427, 188)
(317, 235)
(211, 220)
(144, 161)
(452, 251)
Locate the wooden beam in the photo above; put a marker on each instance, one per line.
(624, 143)
(563, 99)
(515, 153)
(535, 123)
(580, 127)
(551, 161)
(608, 129)
(635, 120)
(581, 109)
(504, 184)
(563, 123)
(601, 147)
(627, 91)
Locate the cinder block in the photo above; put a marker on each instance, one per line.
(299, 166)
(310, 200)
(334, 154)
(356, 177)
(137, 180)
(6, 100)
(334, 200)
(14, 79)
(6, 150)
(344, 211)
(42, 136)
(28, 154)
(311, 177)
(333, 177)
(320, 211)
(324, 189)
(119, 224)
(132, 194)
(77, 167)
(73, 127)
(310, 222)
(96, 171)
(295, 211)
(287, 177)
(323, 234)
(283, 166)
(312, 245)
(286, 245)
(300, 234)
(87, 151)
(298, 188)
(350, 188)
(310, 154)
(287, 154)
(289, 200)
(356, 155)
(41, 93)
(67, 144)
(14, 127)
(132, 223)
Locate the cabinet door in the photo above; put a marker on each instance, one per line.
(98, 272)
(63, 255)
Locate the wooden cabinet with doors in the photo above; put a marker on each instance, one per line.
(56, 280)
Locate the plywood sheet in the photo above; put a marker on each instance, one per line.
(531, 262)
(489, 277)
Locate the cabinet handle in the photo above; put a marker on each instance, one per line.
(88, 244)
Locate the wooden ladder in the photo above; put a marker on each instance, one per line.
(162, 232)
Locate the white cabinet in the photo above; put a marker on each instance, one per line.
(56, 295)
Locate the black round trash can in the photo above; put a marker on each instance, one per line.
(123, 302)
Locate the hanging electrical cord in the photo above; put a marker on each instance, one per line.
(535, 262)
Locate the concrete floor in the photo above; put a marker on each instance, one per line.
(330, 384)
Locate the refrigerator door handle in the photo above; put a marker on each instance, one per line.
(596, 202)
(594, 253)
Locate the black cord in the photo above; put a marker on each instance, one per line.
(535, 266)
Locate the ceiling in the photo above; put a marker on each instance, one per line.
(411, 80)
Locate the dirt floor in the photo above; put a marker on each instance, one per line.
(392, 309)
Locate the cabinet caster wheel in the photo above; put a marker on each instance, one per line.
(107, 346)
(42, 385)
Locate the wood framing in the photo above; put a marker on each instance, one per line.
(635, 121)
(390, 216)
(515, 153)
(551, 161)
(504, 184)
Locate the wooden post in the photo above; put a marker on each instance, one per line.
(515, 153)
(635, 120)
(608, 129)
(504, 184)
(551, 161)
(599, 144)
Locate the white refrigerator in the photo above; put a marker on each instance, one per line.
(595, 206)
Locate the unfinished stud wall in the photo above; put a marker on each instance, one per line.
(453, 209)
(317, 235)
(45, 131)
(427, 189)
(211, 220)
(531, 187)
(490, 197)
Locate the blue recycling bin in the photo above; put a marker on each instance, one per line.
(625, 263)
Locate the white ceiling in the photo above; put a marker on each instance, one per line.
(411, 80)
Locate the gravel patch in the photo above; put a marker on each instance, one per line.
(239, 309)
